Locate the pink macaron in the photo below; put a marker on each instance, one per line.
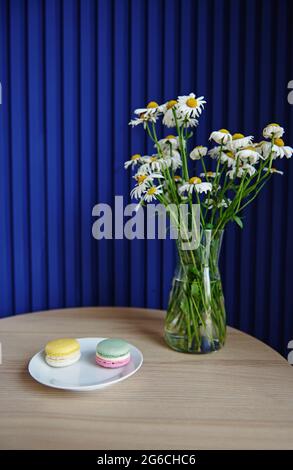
(112, 353)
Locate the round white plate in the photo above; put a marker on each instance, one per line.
(84, 374)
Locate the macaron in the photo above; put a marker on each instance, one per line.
(112, 353)
(62, 352)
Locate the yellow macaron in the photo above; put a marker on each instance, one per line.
(62, 352)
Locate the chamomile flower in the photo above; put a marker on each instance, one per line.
(187, 122)
(267, 150)
(148, 114)
(190, 106)
(284, 150)
(152, 163)
(221, 137)
(167, 109)
(152, 193)
(239, 141)
(241, 170)
(229, 158)
(138, 191)
(273, 170)
(172, 160)
(152, 109)
(195, 184)
(273, 130)
(249, 169)
(208, 174)
(198, 152)
(143, 119)
(249, 154)
(169, 141)
(135, 159)
(215, 152)
(143, 181)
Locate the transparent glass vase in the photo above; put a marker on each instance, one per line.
(196, 318)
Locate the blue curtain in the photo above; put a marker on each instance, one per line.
(71, 71)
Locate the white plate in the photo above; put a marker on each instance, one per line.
(84, 374)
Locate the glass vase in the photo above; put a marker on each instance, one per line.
(196, 318)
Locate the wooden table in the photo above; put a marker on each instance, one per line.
(239, 397)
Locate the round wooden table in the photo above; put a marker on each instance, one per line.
(238, 398)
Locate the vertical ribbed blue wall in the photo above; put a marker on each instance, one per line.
(71, 72)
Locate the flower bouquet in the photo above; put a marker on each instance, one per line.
(223, 181)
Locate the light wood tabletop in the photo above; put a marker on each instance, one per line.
(238, 398)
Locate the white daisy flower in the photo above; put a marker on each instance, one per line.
(152, 193)
(143, 182)
(195, 184)
(273, 130)
(167, 109)
(187, 122)
(249, 154)
(190, 106)
(221, 137)
(198, 152)
(135, 159)
(215, 152)
(241, 171)
(174, 161)
(208, 174)
(249, 169)
(229, 158)
(285, 150)
(239, 141)
(266, 148)
(273, 170)
(168, 105)
(152, 163)
(169, 140)
(145, 115)
(138, 191)
(169, 119)
(152, 109)
(143, 119)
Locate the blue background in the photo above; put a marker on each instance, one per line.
(71, 72)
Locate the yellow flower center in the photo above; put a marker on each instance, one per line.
(237, 136)
(136, 156)
(154, 159)
(177, 178)
(152, 190)
(210, 173)
(279, 142)
(140, 178)
(192, 103)
(224, 131)
(273, 124)
(230, 154)
(170, 137)
(171, 103)
(152, 104)
(194, 180)
(250, 148)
